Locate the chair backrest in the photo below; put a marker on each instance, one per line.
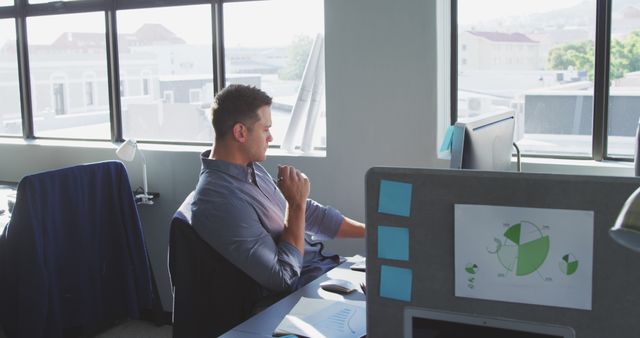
(75, 252)
(210, 294)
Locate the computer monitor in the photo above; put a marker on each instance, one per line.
(427, 323)
(484, 142)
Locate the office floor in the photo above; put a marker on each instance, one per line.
(136, 328)
(131, 329)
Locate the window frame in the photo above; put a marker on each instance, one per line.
(89, 78)
(22, 9)
(599, 151)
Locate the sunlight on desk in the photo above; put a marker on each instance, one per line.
(265, 323)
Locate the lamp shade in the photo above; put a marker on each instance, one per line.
(127, 150)
(626, 230)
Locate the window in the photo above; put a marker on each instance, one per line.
(194, 95)
(88, 94)
(155, 66)
(554, 76)
(167, 96)
(62, 49)
(10, 118)
(89, 90)
(274, 57)
(58, 96)
(624, 78)
(162, 40)
(146, 82)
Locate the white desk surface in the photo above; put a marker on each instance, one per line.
(264, 323)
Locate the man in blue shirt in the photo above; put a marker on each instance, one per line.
(266, 228)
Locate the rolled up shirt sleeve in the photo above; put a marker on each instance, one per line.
(323, 222)
(234, 230)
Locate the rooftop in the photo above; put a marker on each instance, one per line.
(503, 37)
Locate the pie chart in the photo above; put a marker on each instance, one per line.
(524, 248)
(471, 268)
(568, 264)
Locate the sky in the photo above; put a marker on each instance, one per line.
(472, 11)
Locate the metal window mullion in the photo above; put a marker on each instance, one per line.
(62, 7)
(8, 12)
(601, 80)
(113, 75)
(23, 71)
(454, 63)
(218, 45)
(141, 4)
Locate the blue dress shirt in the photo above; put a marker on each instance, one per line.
(240, 212)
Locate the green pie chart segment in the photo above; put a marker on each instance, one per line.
(568, 264)
(513, 233)
(525, 248)
(531, 255)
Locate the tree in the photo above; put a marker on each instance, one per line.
(624, 56)
(298, 53)
(579, 56)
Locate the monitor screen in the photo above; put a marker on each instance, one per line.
(428, 323)
(484, 142)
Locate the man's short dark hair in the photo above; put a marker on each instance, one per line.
(236, 103)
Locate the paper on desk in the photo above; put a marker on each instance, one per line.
(322, 318)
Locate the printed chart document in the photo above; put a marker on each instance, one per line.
(320, 318)
(524, 255)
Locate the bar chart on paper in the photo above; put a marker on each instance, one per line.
(500, 251)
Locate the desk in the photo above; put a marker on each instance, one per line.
(264, 323)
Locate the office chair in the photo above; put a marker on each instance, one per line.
(74, 258)
(210, 294)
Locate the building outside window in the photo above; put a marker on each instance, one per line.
(160, 39)
(63, 49)
(538, 59)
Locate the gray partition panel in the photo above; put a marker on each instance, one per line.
(616, 270)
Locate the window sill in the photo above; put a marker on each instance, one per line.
(575, 167)
(159, 147)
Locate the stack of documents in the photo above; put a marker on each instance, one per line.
(359, 263)
(320, 318)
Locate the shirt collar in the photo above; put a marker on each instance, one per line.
(238, 171)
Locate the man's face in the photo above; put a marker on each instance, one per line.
(259, 135)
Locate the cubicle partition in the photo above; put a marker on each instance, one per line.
(498, 251)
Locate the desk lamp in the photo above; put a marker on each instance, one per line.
(626, 231)
(127, 151)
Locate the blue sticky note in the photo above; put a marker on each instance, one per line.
(446, 142)
(395, 283)
(395, 198)
(393, 243)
